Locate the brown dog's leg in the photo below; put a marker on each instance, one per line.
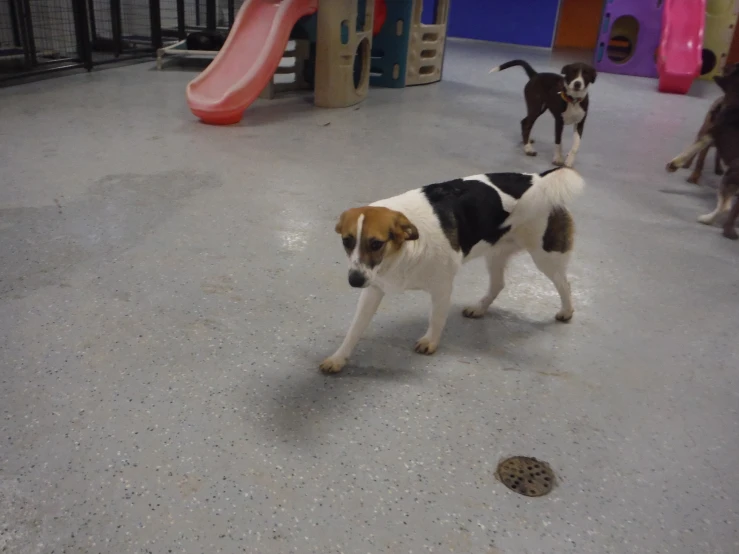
(698, 169)
(726, 191)
(697, 146)
(730, 225)
(719, 170)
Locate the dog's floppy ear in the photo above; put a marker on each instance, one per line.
(566, 68)
(590, 72)
(340, 224)
(403, 229)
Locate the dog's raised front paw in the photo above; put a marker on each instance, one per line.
(564, 316)
(706, 219)
(333, 364)
(671, 167)
(425, 346)
(474, 311)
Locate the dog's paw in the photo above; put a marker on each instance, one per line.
(564, 316)
(730, 232)
(425, 346)
(333, 364)
(559, 162)
(671, 167)
(529, 150)
(706, 219)
(693, 178)
(474, 311)
(570, 161)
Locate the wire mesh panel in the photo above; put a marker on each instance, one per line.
(120, 28)
(54, 33)
(11, 46)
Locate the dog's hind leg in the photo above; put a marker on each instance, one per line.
(554, 266)
(730, 225)
(441, 300)
(726, 191)
(369, 301)
(496, 263)
(527, 123)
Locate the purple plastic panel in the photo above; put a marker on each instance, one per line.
(642, 61)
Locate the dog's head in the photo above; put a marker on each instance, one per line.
(578, 77)
(372, 235)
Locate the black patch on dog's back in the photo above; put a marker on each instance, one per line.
(513, 184)
(472, 211)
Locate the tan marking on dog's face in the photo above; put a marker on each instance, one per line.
(370, 234)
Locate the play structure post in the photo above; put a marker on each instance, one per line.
(341, 80)
(427, 42)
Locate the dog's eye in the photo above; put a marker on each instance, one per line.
(375, 245)
(348, 242)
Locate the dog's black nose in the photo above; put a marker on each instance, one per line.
(357, 279)
(577, 85)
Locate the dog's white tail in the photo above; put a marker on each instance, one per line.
(550, 190)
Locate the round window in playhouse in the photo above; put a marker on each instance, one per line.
(622, 40)
(709, 61)
(361, 64)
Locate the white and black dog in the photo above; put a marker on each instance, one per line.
(565, 96)
(419, 240)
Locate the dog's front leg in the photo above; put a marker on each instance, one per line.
(570, 161)
(559, 126)
(676, 162)
(369, 301)
(441, 298)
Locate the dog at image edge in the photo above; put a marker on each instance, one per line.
(566, 98)
(420, 239)
(723, 133)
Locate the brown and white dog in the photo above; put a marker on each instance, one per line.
(565, 96)
(723, 133)
(419, 240)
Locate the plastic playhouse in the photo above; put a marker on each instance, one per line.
(341, 47)
(676, 41)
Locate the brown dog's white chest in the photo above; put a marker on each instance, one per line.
(574, 113)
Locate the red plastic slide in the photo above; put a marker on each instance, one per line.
(247, 61)
(681, 46)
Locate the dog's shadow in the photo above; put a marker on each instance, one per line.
(385, 359)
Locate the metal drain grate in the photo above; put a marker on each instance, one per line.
(527, 476)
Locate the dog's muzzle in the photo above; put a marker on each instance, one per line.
(357, 279)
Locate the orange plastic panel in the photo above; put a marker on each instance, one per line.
(579, 23)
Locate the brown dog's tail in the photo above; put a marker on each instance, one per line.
(530, 71)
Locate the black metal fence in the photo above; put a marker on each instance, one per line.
(39, 36)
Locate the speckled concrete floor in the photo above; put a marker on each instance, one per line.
(168, 290)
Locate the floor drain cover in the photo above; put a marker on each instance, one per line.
(527, 476)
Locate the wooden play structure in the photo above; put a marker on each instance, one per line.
(721, 16)
(331, 48)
